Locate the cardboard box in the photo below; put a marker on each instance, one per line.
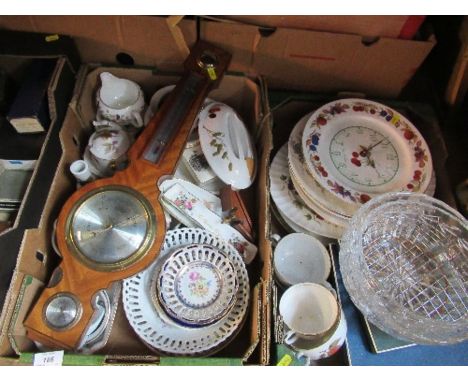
(320, 61)
(393, 26)
(26, 245)
(112, 39)
(251, 345)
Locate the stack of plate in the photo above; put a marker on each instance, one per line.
(341, 156)
(193, 299)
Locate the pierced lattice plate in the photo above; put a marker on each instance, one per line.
(157, 329)
(197, 284)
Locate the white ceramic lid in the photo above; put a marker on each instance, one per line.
(227, 145)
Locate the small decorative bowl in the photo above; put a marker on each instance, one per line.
(197, 285)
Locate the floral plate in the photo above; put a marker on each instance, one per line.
(290, 204)
(300, 172)
(358, 149)
(197, 284)
(162, 333)
(227, 145)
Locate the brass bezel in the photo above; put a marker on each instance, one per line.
(79, 311)
(132, 258)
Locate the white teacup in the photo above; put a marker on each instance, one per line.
(310, 313)
(300, 258)
(329, 347)
(120, 100)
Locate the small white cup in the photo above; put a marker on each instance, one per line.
(310, 313)
(80, 170)
(300, 258)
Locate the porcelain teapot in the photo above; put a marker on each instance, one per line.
(106, 150)
(120, 100)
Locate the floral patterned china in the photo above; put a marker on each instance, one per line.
(300, 174)
(227, 145)
(290, 204)
(120, 100)
(197, 284)
(159, 330)
(358, 149)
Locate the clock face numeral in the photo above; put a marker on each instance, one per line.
(364, 156)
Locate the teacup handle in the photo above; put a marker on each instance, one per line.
(138, 119)
(308, 361)
(275, 238)
(290, 337)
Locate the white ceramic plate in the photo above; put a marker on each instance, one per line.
(227, 145)
(358, 149)
(156, 329)
(309, 185)
(330, 216)
(197, 284)
(289, 203)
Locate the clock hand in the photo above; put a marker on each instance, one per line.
(128, 221)
(87, 235)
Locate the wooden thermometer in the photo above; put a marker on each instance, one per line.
(112, 228)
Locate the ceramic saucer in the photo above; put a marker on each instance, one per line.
(227, 145)
(197, 284)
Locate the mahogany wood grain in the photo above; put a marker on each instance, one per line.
(141, 175)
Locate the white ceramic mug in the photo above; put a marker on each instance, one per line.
(310, 313)
(300, 258)
(120, 100)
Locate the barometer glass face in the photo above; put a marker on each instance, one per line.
(110, 226)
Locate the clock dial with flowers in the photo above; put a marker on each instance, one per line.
(364, 156)
(357, 149)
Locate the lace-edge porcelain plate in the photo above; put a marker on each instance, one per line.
(161, 333)
(358, 149)
(197, 284)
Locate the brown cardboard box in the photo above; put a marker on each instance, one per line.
(393, 26)
(320, 61)
(252, 343)
(148, 40)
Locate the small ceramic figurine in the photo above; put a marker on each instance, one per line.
(120, 100)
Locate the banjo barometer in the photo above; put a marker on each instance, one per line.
(113, 228)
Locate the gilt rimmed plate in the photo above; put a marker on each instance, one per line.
(197, 284)
(162, 333)
(358, 149)
(290, 204)
(227, 145)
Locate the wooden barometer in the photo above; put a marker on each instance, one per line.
(113, 228)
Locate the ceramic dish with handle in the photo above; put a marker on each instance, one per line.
(358, 149)
(227, 145)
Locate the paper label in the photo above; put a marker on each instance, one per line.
(54, 358)
(27, 125)
(285, 361)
